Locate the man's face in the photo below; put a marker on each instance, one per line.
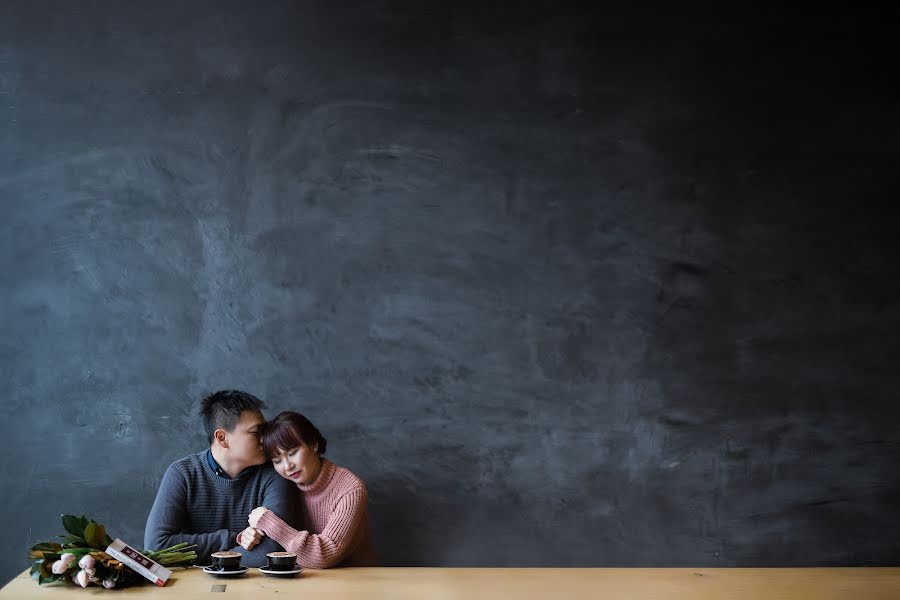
(243, 443)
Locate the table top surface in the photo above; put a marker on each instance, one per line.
(543, 583)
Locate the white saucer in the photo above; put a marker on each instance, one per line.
(270, 573)
(217, 573)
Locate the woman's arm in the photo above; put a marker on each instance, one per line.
(326, 549)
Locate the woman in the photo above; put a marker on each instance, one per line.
(335, 518)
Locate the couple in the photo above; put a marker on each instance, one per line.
(230, 497)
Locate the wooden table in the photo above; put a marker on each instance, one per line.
(468, 584)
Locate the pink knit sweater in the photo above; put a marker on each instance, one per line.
(336, 522)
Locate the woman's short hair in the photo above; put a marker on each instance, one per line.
(287, 431)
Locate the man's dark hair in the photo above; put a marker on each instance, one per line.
(223, 410)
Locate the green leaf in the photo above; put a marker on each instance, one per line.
(73, 540)
(100, 536)
(52, 556)
(78, 552)
(43, 571)
(51, 579)
(74, 525)
(46, 547)
(36, 568)
(90, 532)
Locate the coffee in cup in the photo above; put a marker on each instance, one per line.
(226, 561)
(281, 561)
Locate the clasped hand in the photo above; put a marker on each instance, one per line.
(252, 536)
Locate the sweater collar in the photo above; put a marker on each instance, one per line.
(326, 473)
(215, 466)
(218, 470)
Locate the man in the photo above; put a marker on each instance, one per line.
(205, 498)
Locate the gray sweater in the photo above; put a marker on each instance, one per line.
(197, 506)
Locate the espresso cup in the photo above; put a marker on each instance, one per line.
(281, 561)
(226, 561)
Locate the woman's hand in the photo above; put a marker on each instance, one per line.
(249, 538)
(256, 515)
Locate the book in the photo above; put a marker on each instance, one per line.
(139, 563)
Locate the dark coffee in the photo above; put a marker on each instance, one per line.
(226, 561)
(281, 561)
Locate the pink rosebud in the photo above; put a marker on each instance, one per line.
(59, 567)
(87, 562)
(90, 572)
(82, 579)
(67, 558)
(109, 584)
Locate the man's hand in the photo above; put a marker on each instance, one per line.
(249, 538)
(256, 515)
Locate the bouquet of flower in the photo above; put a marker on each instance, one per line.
(81, 558)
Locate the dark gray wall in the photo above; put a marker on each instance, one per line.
(565, 287)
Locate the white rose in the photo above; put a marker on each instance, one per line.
(87, 562)
(82, 579)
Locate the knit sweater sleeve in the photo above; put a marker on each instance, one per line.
(326, 549)
(169, 519)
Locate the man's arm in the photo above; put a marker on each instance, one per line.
(282, 497)
(169, 519)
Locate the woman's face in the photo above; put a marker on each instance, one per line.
(300, 465)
